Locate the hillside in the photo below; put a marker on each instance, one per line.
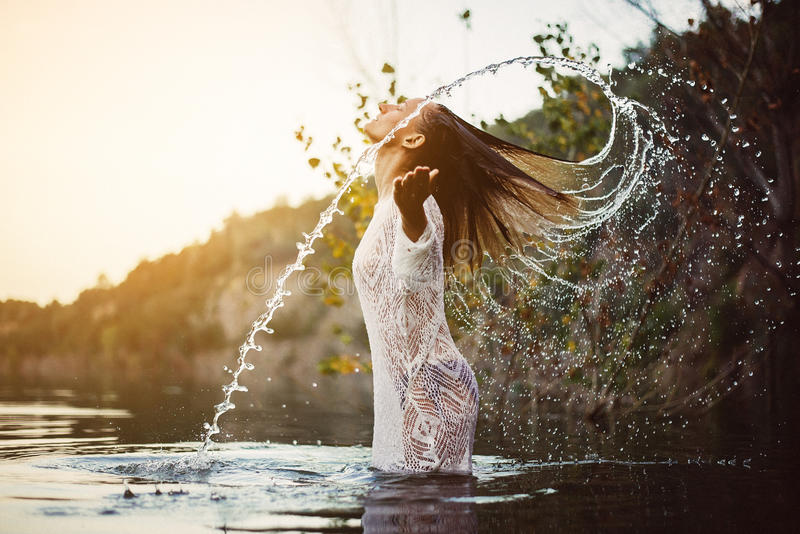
(181, 317)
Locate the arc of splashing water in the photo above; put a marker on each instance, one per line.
(363, 167)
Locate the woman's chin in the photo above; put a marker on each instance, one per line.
(370, 135)
(374, 139)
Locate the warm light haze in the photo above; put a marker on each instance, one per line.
(131, 129)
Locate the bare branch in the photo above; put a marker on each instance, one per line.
(651, 13)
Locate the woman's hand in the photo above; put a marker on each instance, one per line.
(410, 191)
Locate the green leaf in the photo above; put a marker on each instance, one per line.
(387, 69)
(313, 162)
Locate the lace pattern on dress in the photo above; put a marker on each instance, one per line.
(426, 396)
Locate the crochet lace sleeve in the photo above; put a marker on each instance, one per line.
(419, 263)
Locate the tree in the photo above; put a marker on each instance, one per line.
(664, 329)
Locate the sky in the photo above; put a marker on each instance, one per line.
(132, 129)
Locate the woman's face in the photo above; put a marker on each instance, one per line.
(390, 115)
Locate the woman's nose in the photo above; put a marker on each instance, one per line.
(383, 108)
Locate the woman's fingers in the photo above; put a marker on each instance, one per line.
(432, 179)
(426, 178)
(421, 174)
(415, 185)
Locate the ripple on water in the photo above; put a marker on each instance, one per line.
(262, 487)
(255, 464)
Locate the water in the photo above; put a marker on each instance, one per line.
(603, 183)
(127, 459)
(67, 460)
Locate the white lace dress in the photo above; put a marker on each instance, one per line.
(426, 396)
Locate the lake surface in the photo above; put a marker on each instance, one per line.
(298, 460)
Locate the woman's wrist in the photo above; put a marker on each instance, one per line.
(414, 223)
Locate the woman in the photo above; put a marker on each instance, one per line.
(441, 183)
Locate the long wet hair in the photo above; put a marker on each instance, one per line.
(492, 194)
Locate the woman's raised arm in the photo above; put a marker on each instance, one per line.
(419, 263)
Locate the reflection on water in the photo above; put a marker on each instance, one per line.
(437, 504)
(68, 458)
(34, 428)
